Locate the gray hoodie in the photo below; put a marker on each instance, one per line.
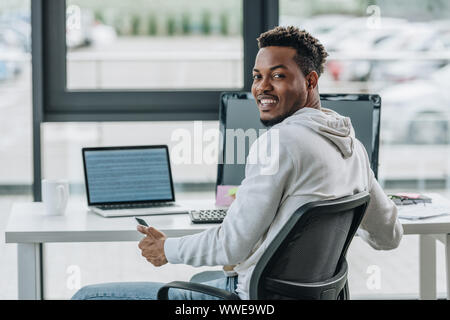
(312, 155)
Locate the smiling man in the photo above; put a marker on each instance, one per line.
(319, 159)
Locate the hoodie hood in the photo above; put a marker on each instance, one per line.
(329, 124)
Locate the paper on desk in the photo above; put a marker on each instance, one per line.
(422, 211)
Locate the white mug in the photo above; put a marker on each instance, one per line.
(55, 194)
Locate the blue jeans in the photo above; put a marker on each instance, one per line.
(149, 290)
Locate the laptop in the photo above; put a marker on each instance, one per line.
(129, 181)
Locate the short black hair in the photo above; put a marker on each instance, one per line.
(311, 54)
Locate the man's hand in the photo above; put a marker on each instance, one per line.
(152, 246)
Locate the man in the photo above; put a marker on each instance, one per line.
(319, 158)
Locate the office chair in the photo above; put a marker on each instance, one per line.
(306, 260)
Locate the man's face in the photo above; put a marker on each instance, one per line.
(279, 86)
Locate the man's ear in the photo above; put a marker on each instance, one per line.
(311, 80)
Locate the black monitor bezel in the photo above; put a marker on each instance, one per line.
(375, 98)
(83, 150)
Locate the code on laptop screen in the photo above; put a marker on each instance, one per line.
(128, 175)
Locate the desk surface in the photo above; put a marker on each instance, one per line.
(28, 224)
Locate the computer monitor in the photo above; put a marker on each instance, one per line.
(238, 110)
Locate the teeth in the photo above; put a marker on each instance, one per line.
(268, 101)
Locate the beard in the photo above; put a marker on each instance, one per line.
(274, 121)
(278, 119)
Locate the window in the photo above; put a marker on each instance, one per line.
(154, 44)
(391, 51)
(15, 96)
(16, 170)
(75, 88)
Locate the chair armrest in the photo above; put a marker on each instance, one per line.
(163, 292)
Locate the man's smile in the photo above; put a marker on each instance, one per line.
(267, 102)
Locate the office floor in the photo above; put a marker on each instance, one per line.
(71, 264)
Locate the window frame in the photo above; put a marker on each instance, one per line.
(60, 104)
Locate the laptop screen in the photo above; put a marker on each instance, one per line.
(127, 174)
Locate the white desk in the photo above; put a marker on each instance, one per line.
(29, 228)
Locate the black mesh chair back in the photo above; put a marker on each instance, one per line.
(306, 260)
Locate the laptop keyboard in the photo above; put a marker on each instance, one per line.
(136, 205)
